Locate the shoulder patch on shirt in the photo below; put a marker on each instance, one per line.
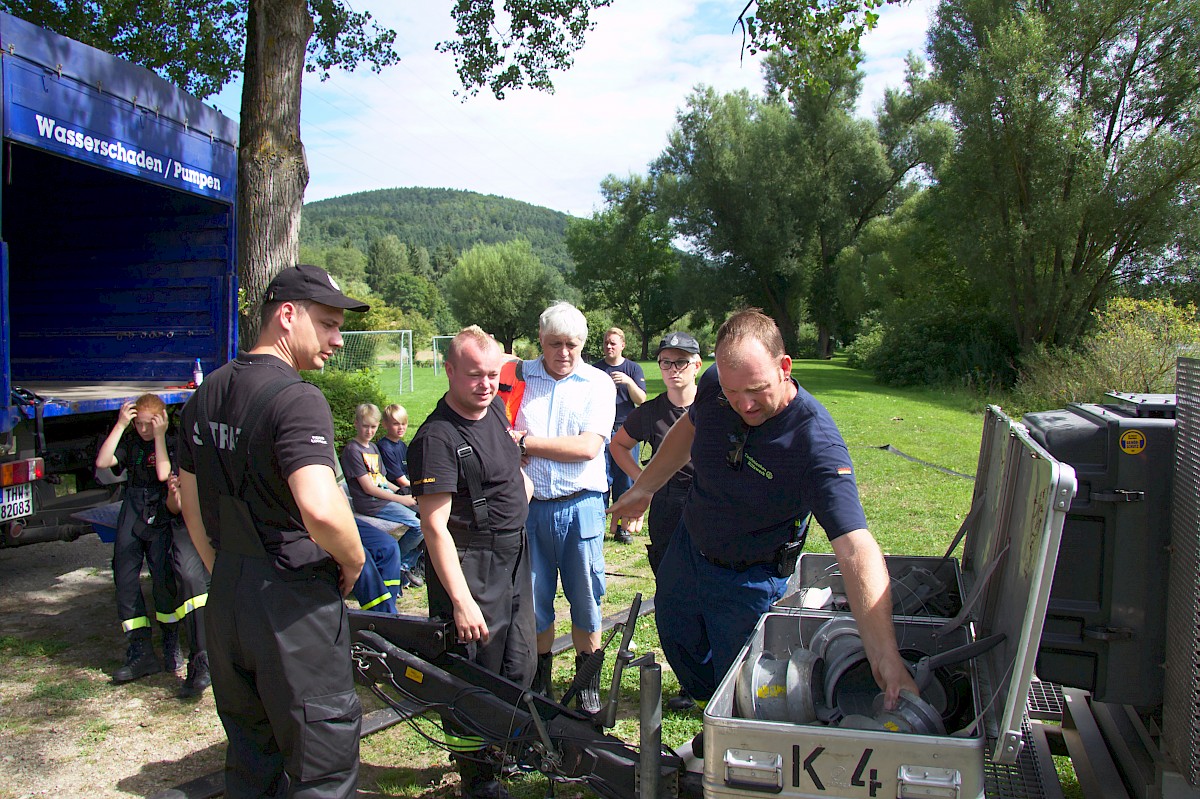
(845, 470)
(317, 440)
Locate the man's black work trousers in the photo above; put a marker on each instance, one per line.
(497, 570)
(279, 651)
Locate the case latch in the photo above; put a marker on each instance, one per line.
(755, 771)
(1118, 495)
(928, 782)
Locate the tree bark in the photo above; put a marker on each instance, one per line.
(272, 168)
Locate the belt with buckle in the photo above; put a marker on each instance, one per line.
(476, 539)
(568, 497)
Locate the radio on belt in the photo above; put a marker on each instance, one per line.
(799, 713)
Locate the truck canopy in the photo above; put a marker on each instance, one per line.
(117, 219)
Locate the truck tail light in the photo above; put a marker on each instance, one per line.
(26, 471)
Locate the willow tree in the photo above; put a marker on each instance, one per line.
(1078, 154)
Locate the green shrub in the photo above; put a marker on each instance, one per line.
(863, 348)
(945, 346)
(1133, 348)
(806, 340)
(526, 350)
(345, 391)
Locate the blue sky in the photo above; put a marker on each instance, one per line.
(610, 114)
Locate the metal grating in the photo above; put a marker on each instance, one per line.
(1045, 701)
(1181, 689)
(1022, 780)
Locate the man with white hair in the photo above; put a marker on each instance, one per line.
(562, 428)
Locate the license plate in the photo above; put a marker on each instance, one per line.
(16, 502)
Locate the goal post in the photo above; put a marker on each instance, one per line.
(440, 343)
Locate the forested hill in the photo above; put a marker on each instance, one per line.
(434, 219)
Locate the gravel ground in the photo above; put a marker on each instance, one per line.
(65, 729)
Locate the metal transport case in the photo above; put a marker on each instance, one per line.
(922, 585)
(1011, 544)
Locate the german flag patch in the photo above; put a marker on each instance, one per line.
(845, 470)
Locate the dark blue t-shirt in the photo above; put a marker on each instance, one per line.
(395, 458)
(793, 464)
(624, 403)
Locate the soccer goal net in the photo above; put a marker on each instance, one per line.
(387, 352)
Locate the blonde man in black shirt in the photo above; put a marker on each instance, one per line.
(480, 575)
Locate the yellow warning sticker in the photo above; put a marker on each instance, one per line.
(413, 674)
(1133, 442)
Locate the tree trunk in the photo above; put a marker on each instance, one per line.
(824, 343)
(272, 169)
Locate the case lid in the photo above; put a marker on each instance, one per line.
(1022, 494)
(1144, 405)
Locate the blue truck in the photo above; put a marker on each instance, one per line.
(117, 263)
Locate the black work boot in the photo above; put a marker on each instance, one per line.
(198, 677)
(681, 702)
(622, 536)
(479, 780)
(140, 661)
(542, 678)
(588, 700)
(172, 656)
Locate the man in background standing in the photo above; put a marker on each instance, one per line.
(678, 356)
(630, 381)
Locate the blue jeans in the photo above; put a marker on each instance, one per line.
(410, 542)
(706, 613)
(618, 481)
(567, 539)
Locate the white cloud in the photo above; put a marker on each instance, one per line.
(610, 113)
(901, 30)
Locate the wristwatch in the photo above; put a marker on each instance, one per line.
(521, 444)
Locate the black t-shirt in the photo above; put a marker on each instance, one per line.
(138, 456)
(433, 467)
(793, 464)
(293, 431)
(358, 460)
(650, 422)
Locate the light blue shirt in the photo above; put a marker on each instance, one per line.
(582, 402)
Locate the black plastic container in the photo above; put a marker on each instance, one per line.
(1106, 618)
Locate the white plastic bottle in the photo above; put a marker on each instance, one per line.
(197, 373)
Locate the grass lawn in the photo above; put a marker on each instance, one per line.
(912, 509)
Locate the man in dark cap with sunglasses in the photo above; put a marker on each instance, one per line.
(765, 455)
(262, 506)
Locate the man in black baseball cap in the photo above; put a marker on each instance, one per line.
(678, 356)
(271, 524)
(308, 282)
(678, 341)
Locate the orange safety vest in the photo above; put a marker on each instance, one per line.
(512, 388)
